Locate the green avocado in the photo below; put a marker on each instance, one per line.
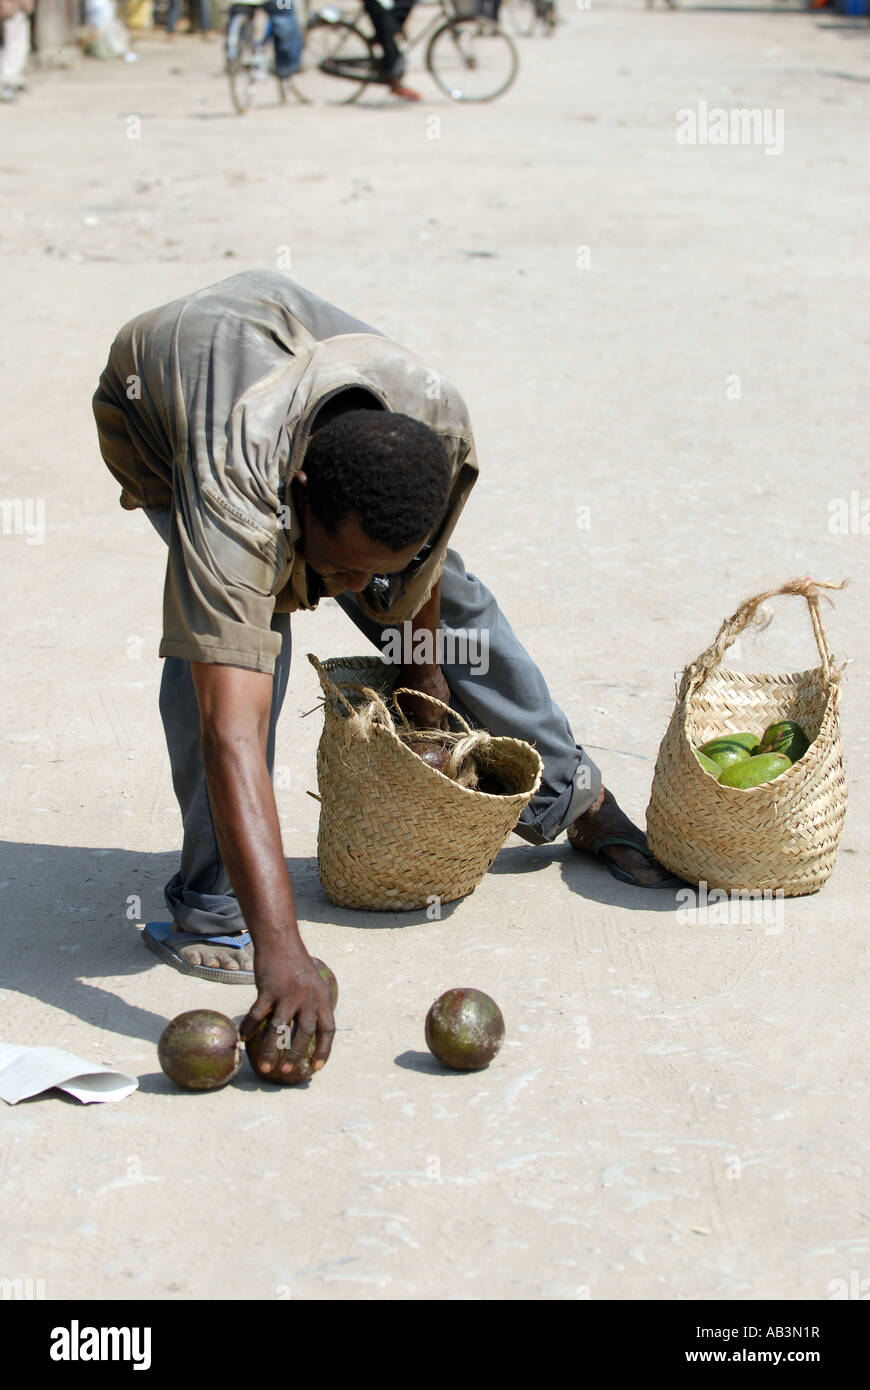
(748, 741)
(785, 737)
(707, 763)
(751, 773)
(724, 750)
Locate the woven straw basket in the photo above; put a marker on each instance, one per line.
(393, 831)
(783, 834)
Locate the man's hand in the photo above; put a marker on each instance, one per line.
(290, 989)
(427, 678)
(234, 709)
(430, 680)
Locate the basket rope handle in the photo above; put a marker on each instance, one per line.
(377, 700)
(710, 660)
(421, 694)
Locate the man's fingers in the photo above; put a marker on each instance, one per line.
(276, 1037)
(325, 1035)
(291, 1030)
(294, 1043)
(255, 1015)
(275, 1030)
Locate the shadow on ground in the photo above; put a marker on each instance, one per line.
(585, 876)
(71, 915)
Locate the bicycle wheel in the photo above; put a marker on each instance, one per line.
(524, 16)
(472, 59)
(337, 63)
(241, 68)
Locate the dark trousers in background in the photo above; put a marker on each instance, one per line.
(387, 24)
(200, 15)
(287, 38)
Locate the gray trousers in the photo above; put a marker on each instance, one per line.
(511, 698)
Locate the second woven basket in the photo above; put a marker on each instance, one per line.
(782, 835)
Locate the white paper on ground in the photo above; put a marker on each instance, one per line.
(28, 1071)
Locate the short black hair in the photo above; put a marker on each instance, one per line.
(392, 471)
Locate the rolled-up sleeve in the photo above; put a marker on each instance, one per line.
(219, 596)
(228, 553)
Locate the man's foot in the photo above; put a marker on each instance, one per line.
(227, 957)
(604, 818)
(218, 957)
(404, 93)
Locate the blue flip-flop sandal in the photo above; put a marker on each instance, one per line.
(164, 940)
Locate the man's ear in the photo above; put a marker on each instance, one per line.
(299, 487)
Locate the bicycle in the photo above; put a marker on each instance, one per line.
(249, 36)
(468, 56)
(526, 15)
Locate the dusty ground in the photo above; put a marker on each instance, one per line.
(678, 1111)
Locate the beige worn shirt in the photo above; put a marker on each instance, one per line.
(205, 408)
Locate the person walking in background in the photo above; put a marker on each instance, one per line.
(286, 33)
(389, 20)
(15, 17)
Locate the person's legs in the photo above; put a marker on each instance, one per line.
(15, 52)
(387, 24)
(287, 38)
(200, 896)
(509, 697)
(401, 10)
(385, 28)
(200, 14)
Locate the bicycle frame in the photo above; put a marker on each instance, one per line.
(333, 14)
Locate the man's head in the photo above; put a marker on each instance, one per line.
(374, 487)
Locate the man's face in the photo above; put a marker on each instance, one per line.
(349, 558)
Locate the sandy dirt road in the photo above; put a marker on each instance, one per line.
(678, 1111)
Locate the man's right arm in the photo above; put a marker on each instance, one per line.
(234, 706)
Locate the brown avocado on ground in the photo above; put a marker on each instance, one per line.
(464, 1029)
(200, 1050)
